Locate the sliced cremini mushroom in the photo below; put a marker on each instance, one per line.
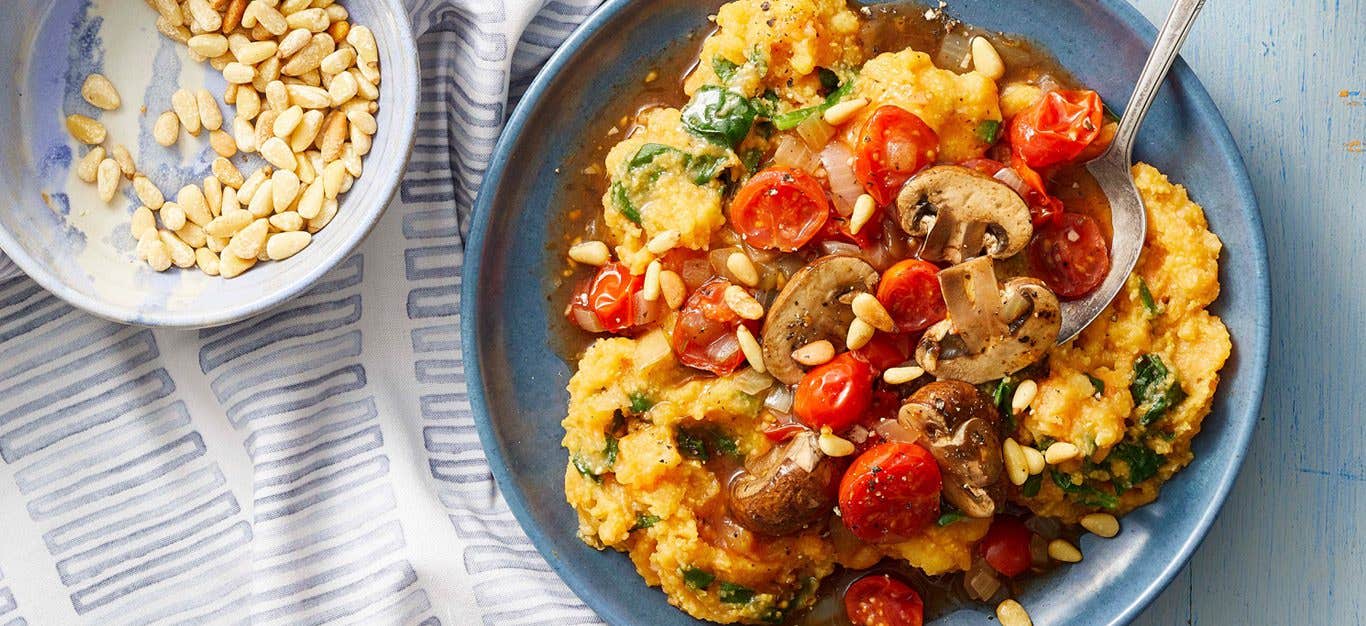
(785, 490)
(814, 305)
(985, 337)
(961, 213)
(961, 426)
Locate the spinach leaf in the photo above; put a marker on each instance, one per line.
(647, 153)
(704, 443)
(1142, 462)
(792, 119)
(949, 518)
(1005, 394)
(719, 115)
(701, 169)
(1155, 389)
(1083, 494)
(989, 131)
(1097, 384)
(640, 403)
(691, 445)
(697, 578)
(752, 158)
(1031, 486)
(1146, 297)
(622, 199)
(610, 451)
(725, 444)
(830, 81)
(725, 68)
(584, 468)
(732, 593)
(644, 521)
(704, 169)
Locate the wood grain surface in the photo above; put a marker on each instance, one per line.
(1290, 545)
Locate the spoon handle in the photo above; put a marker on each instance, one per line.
(1160, 60)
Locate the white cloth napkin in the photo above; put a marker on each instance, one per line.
(316, 464)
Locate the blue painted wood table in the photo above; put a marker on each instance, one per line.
(1290, 545)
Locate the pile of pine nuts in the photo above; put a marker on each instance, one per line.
(305, 84)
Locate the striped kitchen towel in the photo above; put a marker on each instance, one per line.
(317, 464)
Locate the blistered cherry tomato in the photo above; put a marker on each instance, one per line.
(835, 394)
(1070, 255)
(910, 291)
(780, 208)
(704, 334)
(893, 145)
(884, 352)
(1057, 128)
(890, 492)
(610, 296)
(1006, 546)
(880, 600)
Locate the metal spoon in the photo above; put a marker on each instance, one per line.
(1111, 170)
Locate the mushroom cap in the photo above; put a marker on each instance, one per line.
(962, 427)
(809, 308)
(1032, 319)
(961, 212)
(785, 490)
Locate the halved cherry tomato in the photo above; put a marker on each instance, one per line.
(884, 352)
(880, 600)
(835, 394)
(780, 208)
(610, 296)
(1070, 255)
(1057, 128)
(893, 145)
(1006, 546)
(890, 492)
(704, 334)
(783, 430)
(910, 291)
(837, 229)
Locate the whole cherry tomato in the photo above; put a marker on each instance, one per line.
(780, 208)
(1070, 255)
(704, 334)
(1006, 546)
(910, 291)
(835, 394)
(1057, 128)
(890, 492)
(610, 296)
(894, 145)
(881, 600)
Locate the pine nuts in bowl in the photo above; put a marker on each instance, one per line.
(190, 163)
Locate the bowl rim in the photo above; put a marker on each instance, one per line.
(1256, 349)
(406, 134)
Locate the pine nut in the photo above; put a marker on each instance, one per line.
(308, 97)
(339, 29)
(228, 224)
(310, 57)
(210, 116)
(267, 16)
(248, 103)
(172, 216)
(750, 346)
(247, 243)
(186, 109)
(227, 173)
(860, 333)
(268, 70)
(287, 221)
(593, 253)
(1061, 550)
(313, 20)
(243, 135)
(98, 91)
(333, 176)
(85, 130)
(902, 375)
(207, 261)
(834, 445)
(287, 121)
(986, 60)
(363, 41)
(249, 187)
(867, 307)
(263, 201)
(192, 235)
(306, 131)
(205, 15)
(650, 291)
(360, 141)
(88, 167)
(1061, 452)
(333, 136)
(191, 200)
(284, 187)
(169, 10)
(671, 285)
(1101, 524)
(174, 32)
(366, 85)
(864, 208)
(1024, 396)
(154, 251)
(1016, 466)
(209, 45)
(814, 353)
(232, 17)
(1034, 460)
(239, 73)
(742, 268)
(343, 88)
(213, 195)
(125, 161)
(351, 159)
(230, 202)
(1011, 613)
(281, 246)
(294, 42)
(232, 266)
(148, 193)
(166, 130)
(324, 217)
(742, 303)
(311, 202)
(107, 179)
(276, 152)
(182, 255)
(222, 143)
(364, 121)
(338, 61)
(143, 222)
(658, 245)
(254, 52)
(844, 111)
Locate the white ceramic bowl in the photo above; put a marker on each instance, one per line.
(54, 226)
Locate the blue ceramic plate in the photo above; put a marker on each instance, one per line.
(55, 228)
(516, 382)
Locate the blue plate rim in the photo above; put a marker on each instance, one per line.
(407, 134)
(1255, 348)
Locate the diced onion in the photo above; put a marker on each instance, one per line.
(1012, 179)
(1038, 551)
(815, 132)
(840, 248)
(779, 400)
(1045, 527)
(646, 311)
(723, 349)
(752, 382)
(981, 581)
(791, 152)
(892, 430)
(955, 50)
(587, 320)
(844, 186)
(652, 348)
(804, 451)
